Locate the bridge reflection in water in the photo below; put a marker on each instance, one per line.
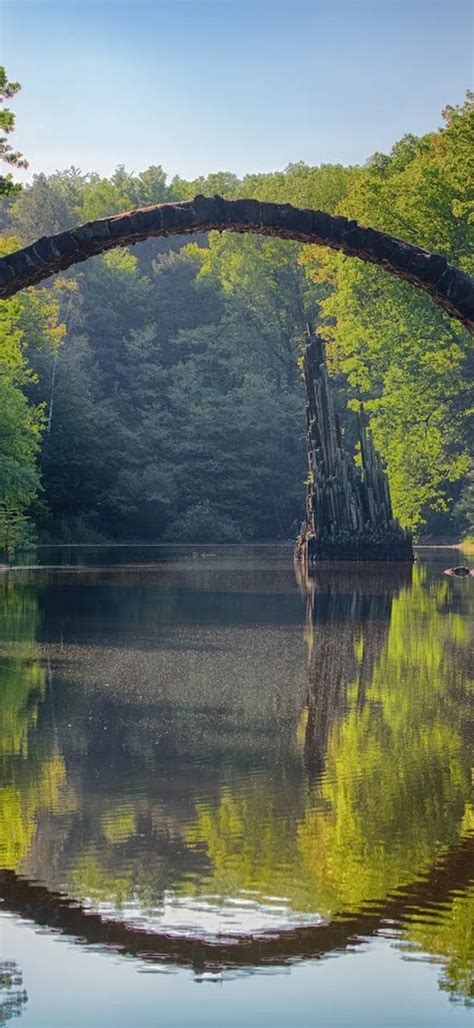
(184, 779)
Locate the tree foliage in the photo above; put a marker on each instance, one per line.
(7, 124)
(181, 359)
(410, 363)
(29, 320)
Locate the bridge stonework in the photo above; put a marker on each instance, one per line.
(449, 287)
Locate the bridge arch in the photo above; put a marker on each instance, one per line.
(449, 287)
(450, 874)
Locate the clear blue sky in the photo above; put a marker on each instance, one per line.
(240, 85)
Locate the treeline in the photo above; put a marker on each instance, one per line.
(155, 393)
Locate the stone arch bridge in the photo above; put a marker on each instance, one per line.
(452, 873)
(449, 287)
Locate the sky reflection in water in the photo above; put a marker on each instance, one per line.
(203, 746)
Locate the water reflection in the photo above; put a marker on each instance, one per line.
(348, 615)
(13, 995)
(397, 770)
(32, 768)
(178, 758)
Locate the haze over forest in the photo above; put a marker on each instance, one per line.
(155, 392)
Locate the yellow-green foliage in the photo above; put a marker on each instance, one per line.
(20, 804)
(89, 878)
(409, 361)
(397, 772)
(29, 320)
(394, 796)
(27, 785)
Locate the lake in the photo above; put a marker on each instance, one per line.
(230, 795)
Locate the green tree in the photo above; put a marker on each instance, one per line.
(20, 431)
(7, 124)
(50, 204)
(223, 320)
(31, 319)
(409, 362)
(13, 528)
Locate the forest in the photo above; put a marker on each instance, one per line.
(155, 393)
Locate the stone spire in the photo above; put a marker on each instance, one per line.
(348, 506)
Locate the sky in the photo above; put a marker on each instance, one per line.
(238, 85)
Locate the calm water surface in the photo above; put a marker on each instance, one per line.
(215, 778)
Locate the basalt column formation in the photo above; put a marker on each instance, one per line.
(348, 507)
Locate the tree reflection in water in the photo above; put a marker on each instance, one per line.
(351, 821)
(32, 772)
(13, 995)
